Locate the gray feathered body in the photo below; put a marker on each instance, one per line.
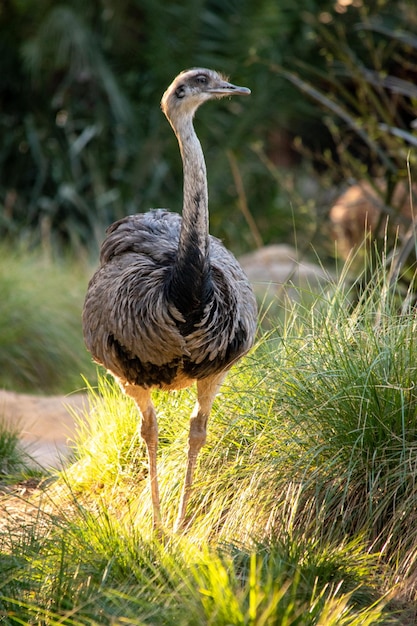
(156, 315)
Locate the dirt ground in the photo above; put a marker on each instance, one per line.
(46, 423)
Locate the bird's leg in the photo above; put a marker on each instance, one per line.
(207, 389)
(149, 432)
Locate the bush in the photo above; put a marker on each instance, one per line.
(364, 89)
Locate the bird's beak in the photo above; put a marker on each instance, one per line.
(227, 89)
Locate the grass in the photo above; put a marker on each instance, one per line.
(95, 570)
(15, 463)
(40, 323)
(303, 511)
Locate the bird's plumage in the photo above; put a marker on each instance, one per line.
(169, 304)
(146, 336)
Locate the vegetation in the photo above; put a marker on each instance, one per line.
(304, 506)
(85, 141)
(15, 463)
(365, 87)
(40, 323)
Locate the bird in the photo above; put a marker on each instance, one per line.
(169, 306)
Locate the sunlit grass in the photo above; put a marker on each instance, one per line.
(91, 569)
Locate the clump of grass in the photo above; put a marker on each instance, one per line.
(10, 456)
(350, 396)
(41, 346)
(14, 461)
(91, 568)
(109, 457)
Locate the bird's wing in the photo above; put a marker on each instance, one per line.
(125, 303)
(154, 234)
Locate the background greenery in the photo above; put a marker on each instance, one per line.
(41, 341)
(84, 141)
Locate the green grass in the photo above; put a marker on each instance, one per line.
(94, 570)
(40, 323)
(15, 462)
(303, 511)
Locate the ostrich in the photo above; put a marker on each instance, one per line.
(169, 304)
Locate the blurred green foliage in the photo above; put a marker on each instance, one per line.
(84, 141)
(41, 341)
(366, 89)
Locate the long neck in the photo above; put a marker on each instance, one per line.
(190, 278)
(194, 231)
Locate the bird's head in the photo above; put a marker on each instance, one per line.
(192, 88)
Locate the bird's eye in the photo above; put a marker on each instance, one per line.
(202, 79)
(180, 91)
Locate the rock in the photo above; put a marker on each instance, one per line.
(359, 214)
(275, 271)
